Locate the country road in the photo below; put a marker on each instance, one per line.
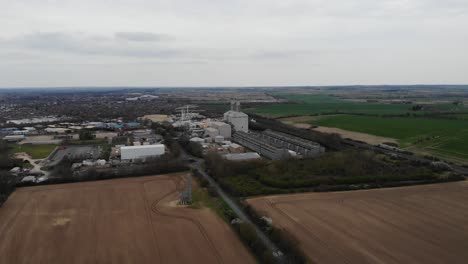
(197, 165)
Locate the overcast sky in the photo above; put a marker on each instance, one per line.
(232, 42)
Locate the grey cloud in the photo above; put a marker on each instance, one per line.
(141, 36)
(82, 44)
(278, 54)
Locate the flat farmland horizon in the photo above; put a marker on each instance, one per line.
(417, 224)
(132, 220)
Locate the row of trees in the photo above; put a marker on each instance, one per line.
(86, 134)
(7, 181)
(341, 170)
(62, 172)
(7, 185)
(6, 162)
(194, 148)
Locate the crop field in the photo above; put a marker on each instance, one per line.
(133, 220)
(36, 151)
(418, 224)
(446, 137)
(307, 104)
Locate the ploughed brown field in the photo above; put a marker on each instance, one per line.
(418, 224)
(134, 220)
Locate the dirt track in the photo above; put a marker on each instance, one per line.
(419, 224)
(367, 138)
(116, 221)
(304, 122)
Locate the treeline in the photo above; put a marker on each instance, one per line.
(6, 162)
(193, 148)
(7, 181)
(333, 171)
(62, 172)
(7, 185)
(330, 141)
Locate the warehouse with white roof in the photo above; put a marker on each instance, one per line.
(141, 152)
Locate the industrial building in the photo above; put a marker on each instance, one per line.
(304, 147)
(211, 133)
(239, 120)
(223, 128)
(276, 145)
(13, 138)
(242, 156)
(254, 142)
(141, 152)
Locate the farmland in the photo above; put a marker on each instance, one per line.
(447, 137)
(306, 104)
(444, 136)
(418, 224)
(133, 220)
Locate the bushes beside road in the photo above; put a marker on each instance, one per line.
(287, 244)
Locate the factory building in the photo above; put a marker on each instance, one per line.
(211, 133)
(141, 152)
(223, 128)
(276, 145)
(242, 156)
(239, 120)
(254, 142)
(304, 147)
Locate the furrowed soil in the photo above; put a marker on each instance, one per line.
(133, 220)
(418, 224)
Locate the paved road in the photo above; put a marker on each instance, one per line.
(197, 165)
(36, 163)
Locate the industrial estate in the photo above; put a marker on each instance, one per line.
(234, 175)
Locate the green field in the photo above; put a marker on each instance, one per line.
(445, 137)
(36, 151)
(303, 104)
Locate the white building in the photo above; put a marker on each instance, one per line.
(223, 128)
(197, 140)
(141, 152)
(13, 138)
(211, 133)
(21, 132)
(242, 156)
(239, 120)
